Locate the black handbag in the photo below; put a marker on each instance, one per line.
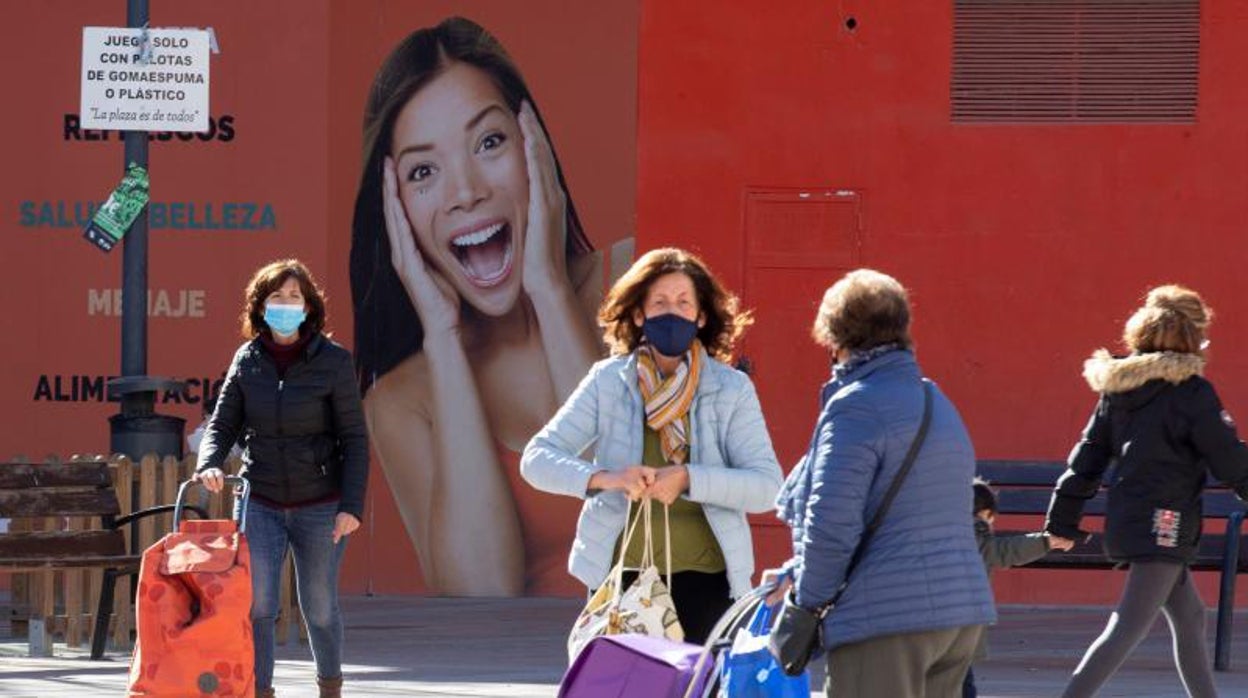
(796, 634)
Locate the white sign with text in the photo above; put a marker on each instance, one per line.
(144, 80)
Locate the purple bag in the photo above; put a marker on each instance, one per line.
(619, 666)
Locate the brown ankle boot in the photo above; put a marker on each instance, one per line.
(266, 693)
(330, 688)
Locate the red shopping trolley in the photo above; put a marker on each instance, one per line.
(193, 608)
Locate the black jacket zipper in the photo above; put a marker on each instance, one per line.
(281, 387)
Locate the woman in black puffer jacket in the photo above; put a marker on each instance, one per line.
(292, 398)
(1161, 426)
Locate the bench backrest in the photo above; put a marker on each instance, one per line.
(1025, 487)
(56, 490)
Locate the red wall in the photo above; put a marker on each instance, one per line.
(292, 75)
(1025, 246)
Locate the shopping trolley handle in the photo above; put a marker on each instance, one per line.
(242, 490)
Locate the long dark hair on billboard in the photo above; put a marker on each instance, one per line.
(387, 329)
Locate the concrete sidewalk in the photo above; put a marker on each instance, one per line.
(403, 646)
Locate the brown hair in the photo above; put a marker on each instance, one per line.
(984, 497)
(862, 310)
(725, 323)
(1173, 318)
(270, 278)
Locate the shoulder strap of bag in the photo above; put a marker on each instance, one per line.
(617, 572)
(647, 553)
(642, 516)
(876, 520)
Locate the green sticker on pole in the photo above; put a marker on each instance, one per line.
(117, 214)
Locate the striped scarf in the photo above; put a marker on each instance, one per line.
(668, 399)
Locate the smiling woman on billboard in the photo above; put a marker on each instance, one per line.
(475, 290)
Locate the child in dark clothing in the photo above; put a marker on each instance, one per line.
(1000, 552)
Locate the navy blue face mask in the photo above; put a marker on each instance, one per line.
(669, 334)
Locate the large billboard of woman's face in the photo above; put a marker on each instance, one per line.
(476, 273)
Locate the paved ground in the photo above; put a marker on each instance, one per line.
(399, 646)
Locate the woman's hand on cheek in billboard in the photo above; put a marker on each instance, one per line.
(434, 298)
(545, 263)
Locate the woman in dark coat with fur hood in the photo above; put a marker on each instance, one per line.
(1160, 423)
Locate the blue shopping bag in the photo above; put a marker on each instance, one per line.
(749, 670)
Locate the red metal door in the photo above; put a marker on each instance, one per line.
(798, 242)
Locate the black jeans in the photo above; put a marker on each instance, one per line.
(700, 599)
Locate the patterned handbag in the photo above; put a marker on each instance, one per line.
(644, 608)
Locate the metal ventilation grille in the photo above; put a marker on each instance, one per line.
(1075, 60)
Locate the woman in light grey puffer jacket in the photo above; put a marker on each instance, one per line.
(670, 421)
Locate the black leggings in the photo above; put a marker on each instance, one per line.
(1151, 587)
(700, 599)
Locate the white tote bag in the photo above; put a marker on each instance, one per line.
(644, 608)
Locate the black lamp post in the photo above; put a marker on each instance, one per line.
(137, 430)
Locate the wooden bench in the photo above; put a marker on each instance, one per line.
(1025, 487)
(55, 491)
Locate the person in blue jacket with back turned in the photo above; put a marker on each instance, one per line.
(912, 613)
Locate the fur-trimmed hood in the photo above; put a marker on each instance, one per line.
(1109, 374)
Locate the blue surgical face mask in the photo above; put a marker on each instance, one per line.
(284, 319)
(669, 334)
